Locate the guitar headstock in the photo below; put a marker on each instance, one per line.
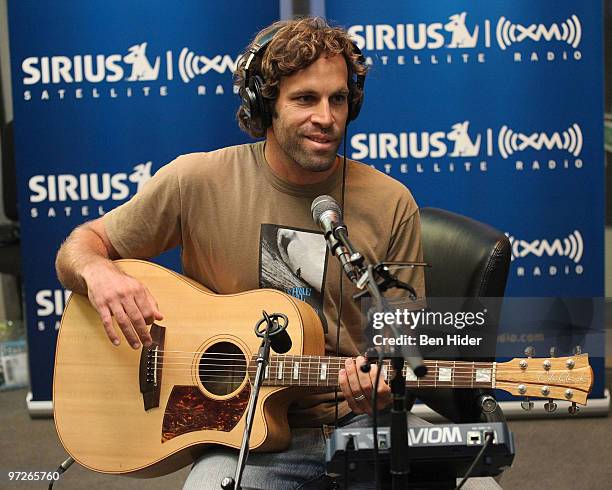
(561, 378)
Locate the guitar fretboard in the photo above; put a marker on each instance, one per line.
(288, 370)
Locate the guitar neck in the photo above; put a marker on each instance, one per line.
(290, 370)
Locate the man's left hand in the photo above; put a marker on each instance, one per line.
(358, 387)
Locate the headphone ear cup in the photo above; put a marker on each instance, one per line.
(353, 109)
(355, 106)
(247, 101)
(260, 115)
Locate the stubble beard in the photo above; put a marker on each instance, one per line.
(310, 160)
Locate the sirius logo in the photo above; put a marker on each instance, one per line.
(84, 187)
(70, 188)
(417, 144)
(50, 303)
(90, 68)
(380, 37)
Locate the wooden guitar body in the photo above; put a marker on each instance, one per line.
(117, 411)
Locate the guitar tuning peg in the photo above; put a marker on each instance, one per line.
(553, 352)
(550, 406)
(530, 351)
(527, 404)
(577, 350)
(573, 409)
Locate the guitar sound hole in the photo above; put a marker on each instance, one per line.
(222, 368)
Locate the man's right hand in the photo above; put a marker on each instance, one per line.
(115, 294)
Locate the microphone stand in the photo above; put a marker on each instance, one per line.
(263, 358)
(400, 463)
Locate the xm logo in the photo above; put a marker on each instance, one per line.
(510, 142)
(569, 31)
(191, 65)
(571, 247)
(84, 187)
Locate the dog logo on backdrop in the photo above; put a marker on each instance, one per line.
(141, 174)
(141, 68)
(464, 147)
(461, 36)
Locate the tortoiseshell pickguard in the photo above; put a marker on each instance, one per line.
(189, 410)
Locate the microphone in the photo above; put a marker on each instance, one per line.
(327, 215)
(280, 341)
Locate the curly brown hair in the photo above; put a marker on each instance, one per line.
(296, 45)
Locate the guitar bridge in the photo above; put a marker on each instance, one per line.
(150, 372)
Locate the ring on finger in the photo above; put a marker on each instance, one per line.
(360, 397)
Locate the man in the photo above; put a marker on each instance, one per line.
(241, 216)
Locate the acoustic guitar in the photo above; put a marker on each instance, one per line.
(151, 411)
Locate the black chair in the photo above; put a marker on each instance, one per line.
(469, 260)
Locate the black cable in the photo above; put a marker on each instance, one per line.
(349, 446)
(61, 468)
(339, 317)
(379, 364)
(489, 437)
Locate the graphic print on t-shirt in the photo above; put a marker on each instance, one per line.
(294, 261)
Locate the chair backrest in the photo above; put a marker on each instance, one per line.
(469, 259)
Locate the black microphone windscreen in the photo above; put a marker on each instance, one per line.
(280, 342)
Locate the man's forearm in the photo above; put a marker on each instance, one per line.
(82, 249)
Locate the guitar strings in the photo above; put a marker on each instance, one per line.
(303, 366)
(316, 369)
(299, 356)
(307, 358)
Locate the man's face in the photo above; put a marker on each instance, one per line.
(311, 112)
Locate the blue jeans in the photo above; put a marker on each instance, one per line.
(301, 466)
